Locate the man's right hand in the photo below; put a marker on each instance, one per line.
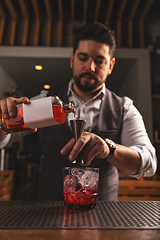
(8, 108)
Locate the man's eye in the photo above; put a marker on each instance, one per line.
(99, 62)
(83, 59)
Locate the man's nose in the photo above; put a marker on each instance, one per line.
(91, 66)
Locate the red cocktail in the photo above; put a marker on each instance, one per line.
(80, 188)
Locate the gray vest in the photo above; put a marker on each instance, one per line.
(109, 125)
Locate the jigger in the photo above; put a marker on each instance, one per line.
(77, 129)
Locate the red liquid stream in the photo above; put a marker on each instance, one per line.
(17, 124)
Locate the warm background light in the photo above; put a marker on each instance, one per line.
(46, 86)
(38, 67)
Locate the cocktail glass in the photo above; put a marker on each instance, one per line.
(80, 187)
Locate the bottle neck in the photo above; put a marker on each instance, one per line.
(69, 107)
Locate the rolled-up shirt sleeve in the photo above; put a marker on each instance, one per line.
(134, 135)
(5, 141)
(13, 137)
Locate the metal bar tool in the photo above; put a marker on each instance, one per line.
(77, 129)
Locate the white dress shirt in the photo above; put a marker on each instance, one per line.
(133, 135)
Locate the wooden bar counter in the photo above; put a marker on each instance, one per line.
(79, 234)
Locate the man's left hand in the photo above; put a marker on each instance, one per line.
(89, 144)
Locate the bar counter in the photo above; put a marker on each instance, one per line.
(36, 220)
(35, 234)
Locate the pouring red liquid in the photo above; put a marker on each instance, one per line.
(17, 124)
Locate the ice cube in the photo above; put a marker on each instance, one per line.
(90, 178)
(71, 183)
(77, 172)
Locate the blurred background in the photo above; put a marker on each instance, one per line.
(41, 32)
(33, 31)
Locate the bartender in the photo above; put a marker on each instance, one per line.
(115, 137)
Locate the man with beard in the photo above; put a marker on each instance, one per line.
(108, 118)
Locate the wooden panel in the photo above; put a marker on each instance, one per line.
(131, 189)
(49, 16)
(38, 20)
(72, 18)
(14, 16)
(130, 27)
(97, 10)
(141, 21)
(137, 183)
(13, 32)
(109, 11)
(25, 6)
(79, 234)
(3, 22)
(120, 14)
(85, 11)
(138, 198)
(25, 12)
(61, 21)
(6, 184)
(139, 191)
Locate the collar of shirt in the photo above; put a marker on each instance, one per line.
(89, 110)
(70, 92)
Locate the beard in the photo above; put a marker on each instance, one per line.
(87, 86)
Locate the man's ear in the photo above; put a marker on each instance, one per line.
(112, 62)
(71, 60)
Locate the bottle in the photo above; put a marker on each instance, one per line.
(39, 113)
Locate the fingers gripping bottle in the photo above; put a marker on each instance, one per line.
(37, 114)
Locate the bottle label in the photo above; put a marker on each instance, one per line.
(39, 113)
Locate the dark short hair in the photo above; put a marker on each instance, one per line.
(98, 32)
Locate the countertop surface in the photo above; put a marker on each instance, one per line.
(79, 234)
(133, 220)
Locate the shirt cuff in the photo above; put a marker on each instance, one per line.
(5, 141)
(147, 168)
